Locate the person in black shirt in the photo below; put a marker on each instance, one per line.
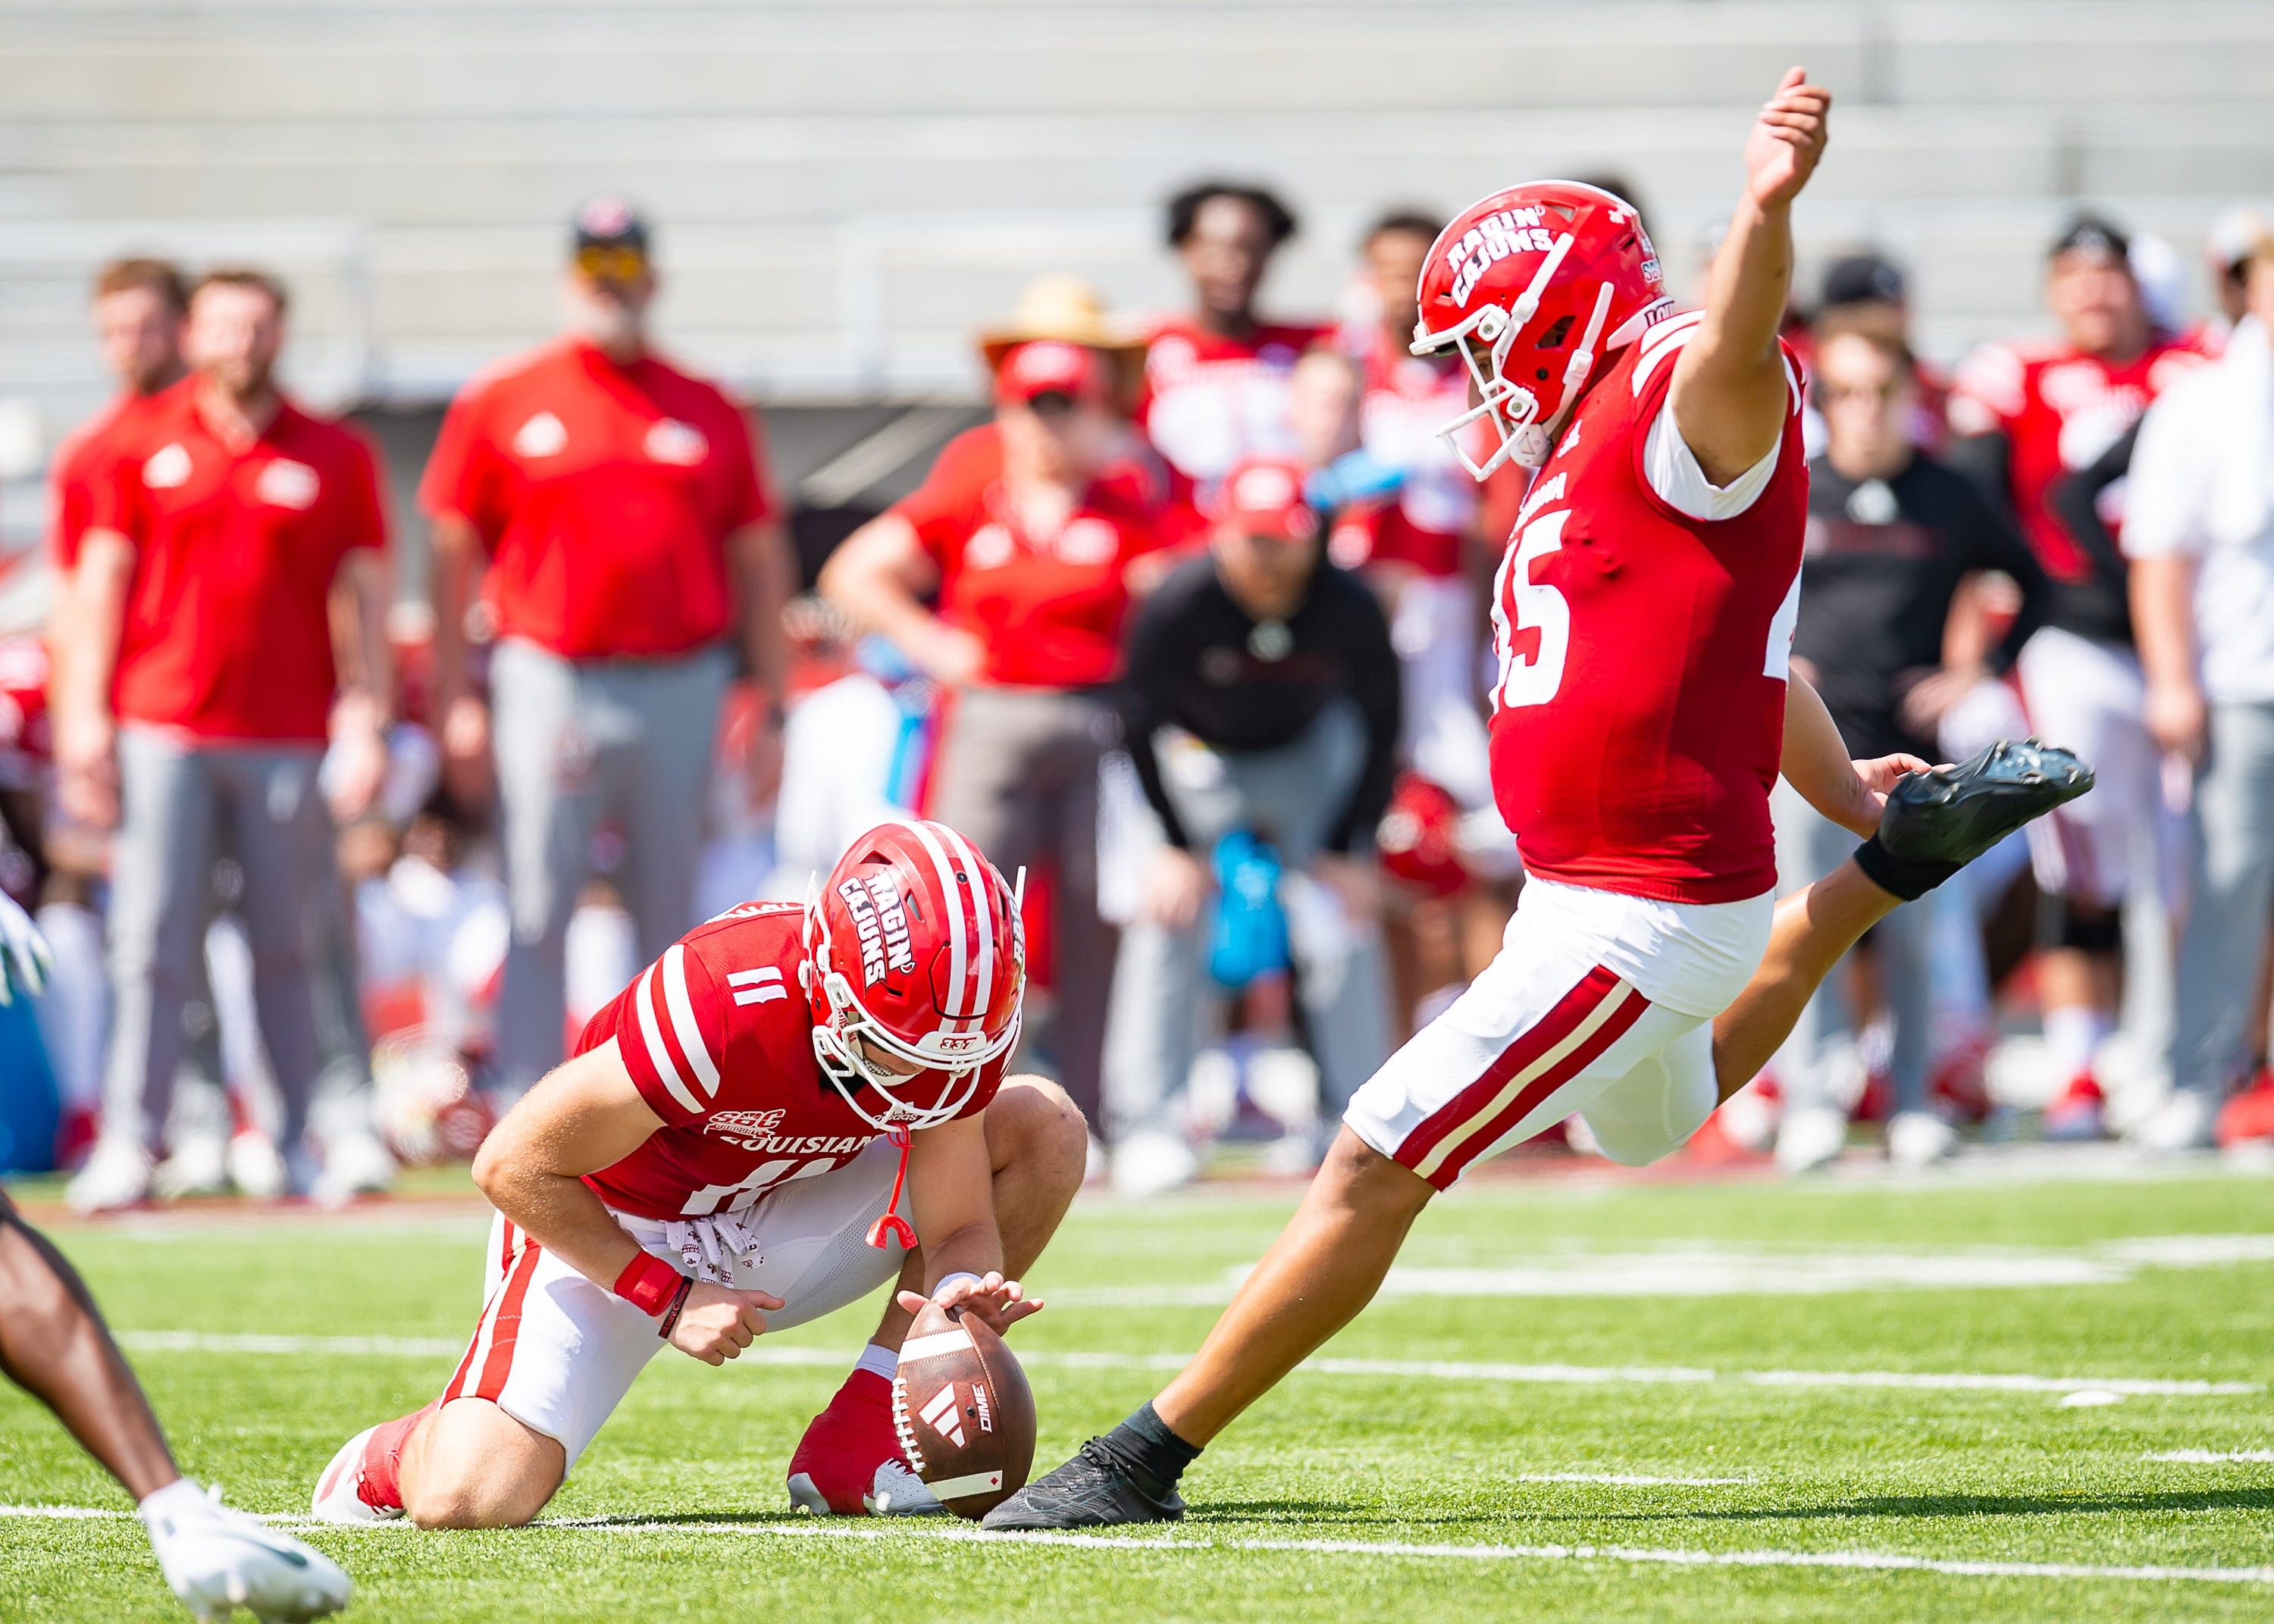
(1260, 694)
(1893, 537)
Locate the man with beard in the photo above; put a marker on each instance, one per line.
(615, 513)
(222, 562)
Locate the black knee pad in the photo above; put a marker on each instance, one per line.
(2083, 927)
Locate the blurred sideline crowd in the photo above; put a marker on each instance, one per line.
(1196, 629)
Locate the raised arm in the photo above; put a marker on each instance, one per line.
(1729, 392)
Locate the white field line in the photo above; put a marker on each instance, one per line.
(1737, 1269)
(1867, 1561)
(1428, 1370)
(1628, 1480)
(2215, 1457)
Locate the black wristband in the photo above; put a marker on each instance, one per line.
(678, 1302)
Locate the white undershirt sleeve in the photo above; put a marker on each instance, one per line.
(1673, 473)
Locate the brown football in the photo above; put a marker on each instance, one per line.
(964, 1413)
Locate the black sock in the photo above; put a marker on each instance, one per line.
(1901, 876)
(1145, 1445)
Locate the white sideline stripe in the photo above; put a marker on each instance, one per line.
(2215, 1457)
(1433, 1369)
(1628, 1480)
(1866, 1561)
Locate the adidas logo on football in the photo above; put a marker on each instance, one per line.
(943, 1416)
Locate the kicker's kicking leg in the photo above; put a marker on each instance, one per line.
(1325, 1267)
(1934, 825)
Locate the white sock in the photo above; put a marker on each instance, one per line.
(879, 1359)
(2073, 1037)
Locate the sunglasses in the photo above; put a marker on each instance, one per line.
(602, 263)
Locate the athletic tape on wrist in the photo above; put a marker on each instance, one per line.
(647, 1283)
(941, 1290)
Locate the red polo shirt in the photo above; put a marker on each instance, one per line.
(83, 462)
(1049, 608)
(228, 633)
(604, 494)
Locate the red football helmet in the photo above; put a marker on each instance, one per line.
(1419, 836)
(916, 969)
(1546, 280)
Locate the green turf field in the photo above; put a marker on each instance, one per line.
(1882, 1401)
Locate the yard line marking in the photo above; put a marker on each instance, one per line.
(1738, 1268)
(2215, 1457)
(1868, 1561)
(1432, 1370)
(1629, 1480)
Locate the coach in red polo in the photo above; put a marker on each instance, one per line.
(616, 514)
(221, 559)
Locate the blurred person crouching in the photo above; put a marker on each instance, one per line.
(1420, 535)
(1026, 531)
(1216, 377)
(1893, 537)
(615, 511)
(1261, 699)
(2199, 532)
(229, 600)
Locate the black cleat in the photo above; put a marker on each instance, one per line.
(1092, 1490)
(1952, 814)
(1936, 822)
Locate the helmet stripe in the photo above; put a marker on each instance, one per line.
(982, 900)
(959, 951)
(683, 1019)
(659, 1053)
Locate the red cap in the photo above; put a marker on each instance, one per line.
(1263, 496)
(1047, 366)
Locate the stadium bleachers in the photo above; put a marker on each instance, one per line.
(845, 190)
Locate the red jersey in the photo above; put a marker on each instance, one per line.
(1407, 400)
(1638, 717)
(1049, 608)
(1209, 400)
(718, 1036)
(228, 631)
(2058, 409)
(81, 464)
(604, 494)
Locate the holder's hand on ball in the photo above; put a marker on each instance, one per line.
(998, 1303)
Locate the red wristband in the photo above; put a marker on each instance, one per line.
(647, 1283)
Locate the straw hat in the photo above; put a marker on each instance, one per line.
(1064, 308)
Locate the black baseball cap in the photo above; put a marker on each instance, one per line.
(1864, 279)
(2093, 234)
(608, 221)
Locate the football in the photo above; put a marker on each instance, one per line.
(963, 1410)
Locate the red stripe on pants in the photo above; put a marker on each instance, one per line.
(509, 1325)
(1562, 1019)
(1579, 1059)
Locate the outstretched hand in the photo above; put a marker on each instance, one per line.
(1874, 779)
(999, 1303)
(1787, 140)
